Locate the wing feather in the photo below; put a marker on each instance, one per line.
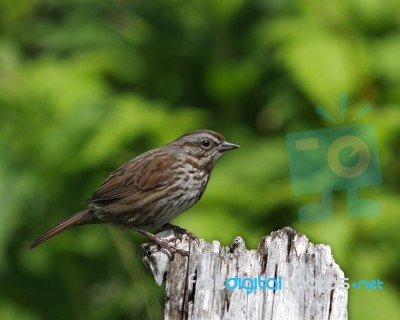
(146, 172)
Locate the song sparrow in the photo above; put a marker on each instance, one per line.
(153, 188)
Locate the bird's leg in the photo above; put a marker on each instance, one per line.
(179, 230)
(162, 243)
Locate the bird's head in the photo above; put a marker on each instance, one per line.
(204, 145)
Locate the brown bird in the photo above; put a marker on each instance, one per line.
(153, 188)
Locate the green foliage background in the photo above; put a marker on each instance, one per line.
(86, 85)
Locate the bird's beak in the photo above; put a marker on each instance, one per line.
(226, 146)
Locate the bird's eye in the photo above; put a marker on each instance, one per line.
(206, 143)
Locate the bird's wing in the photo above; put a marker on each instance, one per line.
(149, 171)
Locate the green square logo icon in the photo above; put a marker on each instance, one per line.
(339, 158)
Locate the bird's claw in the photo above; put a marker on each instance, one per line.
(166, 244)
(180, 231)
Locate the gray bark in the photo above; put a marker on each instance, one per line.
(312, 285)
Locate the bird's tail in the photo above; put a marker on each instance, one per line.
(83, 217)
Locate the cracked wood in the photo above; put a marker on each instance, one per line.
(195, 285)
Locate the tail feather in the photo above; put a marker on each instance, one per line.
(83, 217)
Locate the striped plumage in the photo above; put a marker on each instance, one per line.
(153, 188)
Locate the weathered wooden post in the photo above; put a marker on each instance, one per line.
(287, 277)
